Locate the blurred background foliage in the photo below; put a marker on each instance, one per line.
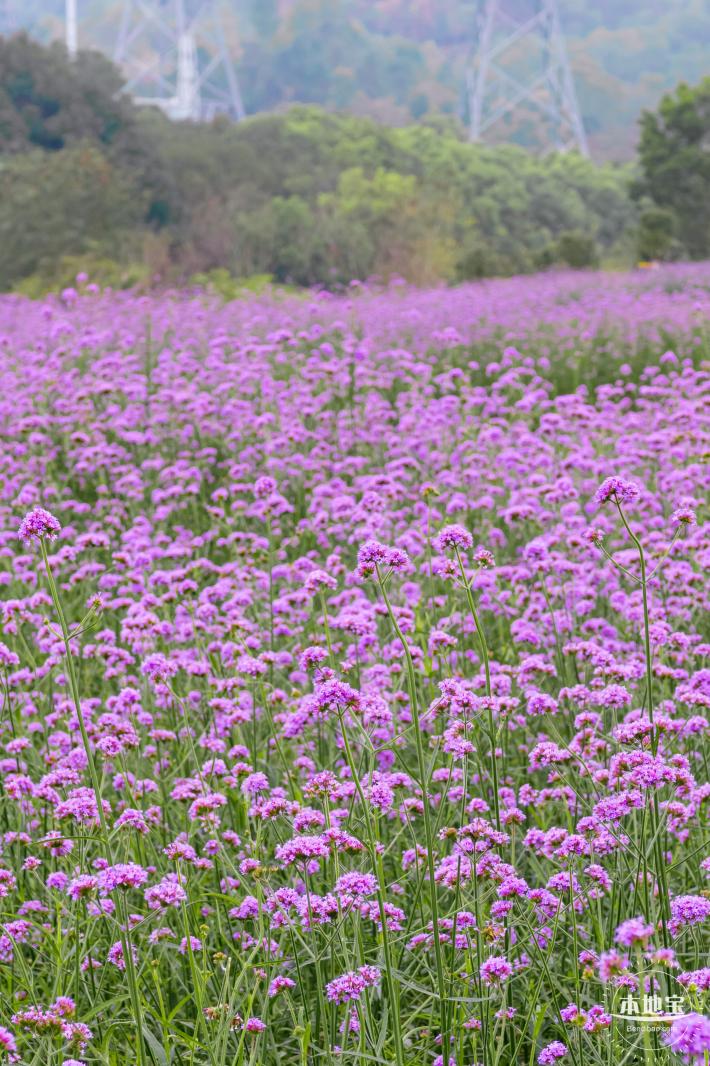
(400, 60)
(308, 196)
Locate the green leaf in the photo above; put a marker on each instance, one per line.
(156, 1048)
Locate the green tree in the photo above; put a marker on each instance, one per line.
(306, 196)
(655, 238)
(408, 231)
(63, 203)
(47, 102)
(577, 250)
(674, 153)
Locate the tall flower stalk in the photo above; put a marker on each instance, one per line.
(483, 645)
(41, 526)
(299, 818)
(620, 492)
(374, 558)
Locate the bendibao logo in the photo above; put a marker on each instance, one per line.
(643, 1013)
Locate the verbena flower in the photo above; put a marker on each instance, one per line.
(617, 488)
(372, 554)
(689, 1037)
(265, 768)
(688, 910)
(350, 986)
(38, 524)
(633, 932)
(454, 537)
(495, 970)
(552, 1053)
(684, 516)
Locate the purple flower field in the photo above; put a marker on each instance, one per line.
(355, 676)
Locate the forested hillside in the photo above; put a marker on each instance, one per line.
(399, 60)
(305, 196)
(89, 181)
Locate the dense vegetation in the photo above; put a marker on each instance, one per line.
(675, 160)
(399, 60)
(354, 658)
(305, 196)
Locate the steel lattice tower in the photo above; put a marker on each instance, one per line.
(520, 67)
(175, 55)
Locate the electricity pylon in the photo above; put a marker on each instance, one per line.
(71, 32)
(175, 56)
(520, 69)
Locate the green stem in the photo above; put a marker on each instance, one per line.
(423, 781)
(658, 843)
(489, 688)
(96, 785)
(377, 865)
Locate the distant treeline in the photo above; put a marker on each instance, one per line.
(306, 197)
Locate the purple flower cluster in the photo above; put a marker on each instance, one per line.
(689, 910)
(618, 489)
(455, 537)
(552, 1053)
(373, 555)
(689, 1037)
(39, 523)
(350, 986)
(318, 761)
